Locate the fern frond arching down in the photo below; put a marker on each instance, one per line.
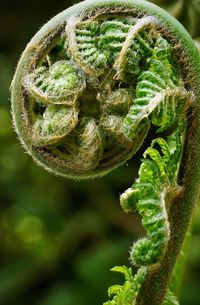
(88, 89)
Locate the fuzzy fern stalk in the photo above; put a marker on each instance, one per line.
(87, 90)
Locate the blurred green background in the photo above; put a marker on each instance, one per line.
(58, 237)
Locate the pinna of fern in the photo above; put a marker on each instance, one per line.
(89, 88)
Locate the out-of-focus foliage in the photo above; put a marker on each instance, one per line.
(186, 11)
(59, 238)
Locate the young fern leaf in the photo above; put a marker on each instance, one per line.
(156, 92)
(61, 84)
(147, 196)
(87, 90)
(136, 47)
(125, 294)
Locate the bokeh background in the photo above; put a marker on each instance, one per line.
(59, 238)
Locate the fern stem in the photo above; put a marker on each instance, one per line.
(178, 273)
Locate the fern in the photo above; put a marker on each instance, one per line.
(124, 294)
(156, 93)
(62, 83)
(148, 196)
(86, 92)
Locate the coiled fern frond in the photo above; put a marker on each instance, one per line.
(157, 95)
(89, 88)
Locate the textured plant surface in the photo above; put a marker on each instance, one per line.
(87, 90)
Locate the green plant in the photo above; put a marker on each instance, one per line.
(88, 89)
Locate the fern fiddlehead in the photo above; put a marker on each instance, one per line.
(87, 90)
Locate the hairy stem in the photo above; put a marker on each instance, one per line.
(178, 273)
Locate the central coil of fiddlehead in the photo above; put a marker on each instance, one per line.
(91, 94)
(84, 100)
